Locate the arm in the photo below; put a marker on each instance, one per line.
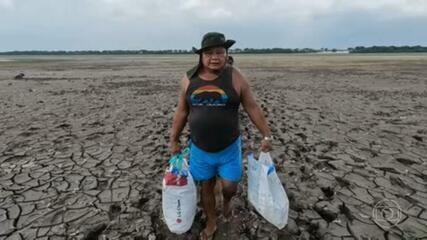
(252, 108)
(180, 117)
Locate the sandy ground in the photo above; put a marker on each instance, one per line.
(83, 146)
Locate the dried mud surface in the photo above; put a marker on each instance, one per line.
(83, 146)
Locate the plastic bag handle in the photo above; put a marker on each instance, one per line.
(178, 159)
(266, 160)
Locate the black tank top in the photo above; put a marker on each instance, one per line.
(214, 106)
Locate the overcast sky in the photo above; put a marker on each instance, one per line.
(180, 24)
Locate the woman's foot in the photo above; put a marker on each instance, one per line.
(227, 211)
(209, 231)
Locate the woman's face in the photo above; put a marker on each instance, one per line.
(214, 58)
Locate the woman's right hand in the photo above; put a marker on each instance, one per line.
(175, 148)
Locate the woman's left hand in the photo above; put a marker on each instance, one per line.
(266, 145)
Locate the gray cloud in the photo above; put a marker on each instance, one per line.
(168, 24)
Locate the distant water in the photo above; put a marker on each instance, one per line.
(6, 60)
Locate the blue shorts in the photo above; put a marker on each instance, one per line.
(227, 163)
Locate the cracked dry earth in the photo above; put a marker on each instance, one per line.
(83, 146)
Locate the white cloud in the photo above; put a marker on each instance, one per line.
(238, 10)
(6, 4)
(392, 8)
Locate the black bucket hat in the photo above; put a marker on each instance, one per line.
(214, 39)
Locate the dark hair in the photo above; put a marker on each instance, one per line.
(230, 60)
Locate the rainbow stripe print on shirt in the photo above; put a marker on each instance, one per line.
(209, 95)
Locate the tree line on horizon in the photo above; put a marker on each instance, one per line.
(388, 49)
(358, 49)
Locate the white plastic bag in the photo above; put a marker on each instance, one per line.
(179, 196)
(265, 191)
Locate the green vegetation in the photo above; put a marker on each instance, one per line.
(131, 52)
(274, 50)
(388, 49)
(359, 49)
(95, 52)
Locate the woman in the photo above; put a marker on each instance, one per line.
(210, 96)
